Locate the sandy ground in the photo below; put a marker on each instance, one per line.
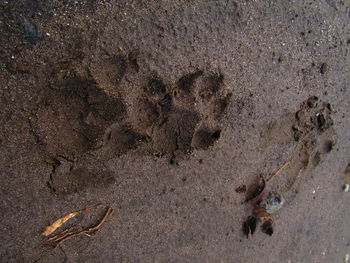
(160, 110)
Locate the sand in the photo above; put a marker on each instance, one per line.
(161, 110)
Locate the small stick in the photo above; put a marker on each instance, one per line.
(54, 238)
(59, 235)
(287, 163)
(88, 230)
(281, 168)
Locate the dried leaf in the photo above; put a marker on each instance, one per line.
(249, 226)
(52, 228)
(257, 194)
(262, 214)
(86, 231)
(59, 222)
(267, 228)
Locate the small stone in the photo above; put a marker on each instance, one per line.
(30, 32)
(272, 202)
(346, 188)
(324, 68)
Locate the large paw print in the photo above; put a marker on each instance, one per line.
(92, 109)
(175, 119)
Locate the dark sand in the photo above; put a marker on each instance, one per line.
(160, 110)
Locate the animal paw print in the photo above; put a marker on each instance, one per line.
(312, 128)
(177, 118)
(94, 109)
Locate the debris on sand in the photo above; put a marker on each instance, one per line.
(249, 225)
(313, 119)
(263, 208)
(68, 234)
(48, 230)
(257, 193)
(59, 222)
(272, 202)
(264, 203)
(266, 228)
(346, 188)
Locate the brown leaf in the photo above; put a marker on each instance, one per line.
(262, 214)
(249, 226)
(52, 228)
(267, 228)
(86, 231)
(48, 230)
(259, 191)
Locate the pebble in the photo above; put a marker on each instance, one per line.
(30, 32)
(272, 202)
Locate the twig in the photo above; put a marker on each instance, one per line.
(290, 159)
(54, 238)
(282, 167)
(59, 222)
(59, 236)
(88, 230)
